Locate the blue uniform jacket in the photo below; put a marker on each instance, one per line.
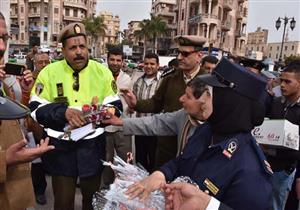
(234, 171)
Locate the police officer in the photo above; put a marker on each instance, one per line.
(172, 86)
(60, 91)
(222, 156)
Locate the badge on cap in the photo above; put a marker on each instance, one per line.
(114, 86)
(210, 186)
(231, 148)
(39, 88)
(77, 29)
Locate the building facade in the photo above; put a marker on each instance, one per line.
(45, 19)
(112, 32)
(289, 48)
(221, 22)
(166, 10)
(257, 42)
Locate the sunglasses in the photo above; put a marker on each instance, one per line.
(76, 81)
(186, 53)
(5, 37)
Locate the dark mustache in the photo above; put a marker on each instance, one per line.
(78, 58)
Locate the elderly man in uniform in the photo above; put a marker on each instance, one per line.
(172, 86)
(60, 91)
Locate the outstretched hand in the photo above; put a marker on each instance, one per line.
(184, 196)
(129, 97)
(19, 153)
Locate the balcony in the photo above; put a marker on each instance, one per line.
(33, 15)
(195, 19)
(226, 25)
(73, 4)
(194, 1)
(172, 26)
(210, 18)
(72, 18)
(239, 33)
(13, 1)
(13, 15)
(165, 13)
(227, 5)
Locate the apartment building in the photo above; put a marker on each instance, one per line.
(257, 42)
(134, 41)
(221, 22)
(112, 31)
(166, 10)
(45, 19)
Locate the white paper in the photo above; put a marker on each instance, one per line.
(80, 133)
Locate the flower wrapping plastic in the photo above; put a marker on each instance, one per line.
(126, 175)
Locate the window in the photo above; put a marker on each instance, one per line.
(22, 9)
(262, 48)
(75, 13)
(269, 55)
(271, 48)
(277, 47)
(293, 47)
(22, 23)
(22, 36)
(276, 55)
(56, 10)
(16, 10)
(257, 48)
(46, 9)
(67, 12)
(34, 10)
(285, 48)
(45, 36)
(182, 15)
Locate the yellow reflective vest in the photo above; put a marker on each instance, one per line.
(55, 83)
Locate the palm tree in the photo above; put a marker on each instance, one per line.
(158, 28)
(95, 27)
(143, 33)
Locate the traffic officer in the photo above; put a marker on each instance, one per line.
(172, 86)
(60, 91)
(222, 156)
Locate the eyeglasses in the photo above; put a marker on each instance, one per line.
(4, 37)
(76, 81)
(186, 53)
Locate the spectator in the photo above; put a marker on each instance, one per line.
(208, 63)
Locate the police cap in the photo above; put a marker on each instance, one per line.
(257, 64)
(190, 40)
(71, 30)
(10, 109)
(231, 75)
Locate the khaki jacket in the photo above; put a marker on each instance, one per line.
(16, 190)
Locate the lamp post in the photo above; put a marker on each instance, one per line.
(277, 25)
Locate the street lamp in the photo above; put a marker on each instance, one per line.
(277, 25)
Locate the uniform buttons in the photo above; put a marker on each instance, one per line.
(76, 101)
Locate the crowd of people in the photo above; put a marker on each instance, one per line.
(194, 119)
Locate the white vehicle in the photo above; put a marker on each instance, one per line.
(164, 60)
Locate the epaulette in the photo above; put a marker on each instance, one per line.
(167, 72)
(262, 158)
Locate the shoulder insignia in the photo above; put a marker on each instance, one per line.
(167, 72)
(114, 86)
(39, 88)
(262, 158)
(231, 147)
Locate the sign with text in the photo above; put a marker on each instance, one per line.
(280, 133)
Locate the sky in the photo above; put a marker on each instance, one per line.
(263, 13)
